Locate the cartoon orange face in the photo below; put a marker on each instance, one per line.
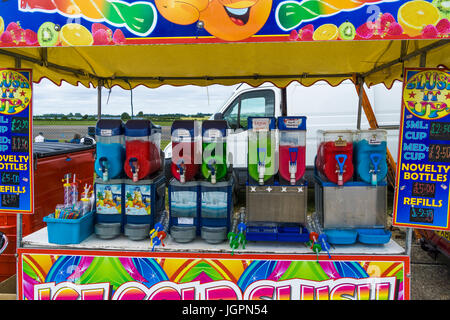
(230, 20)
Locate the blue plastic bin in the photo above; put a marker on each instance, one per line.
(373, 236)
(69, 231)
(337, 236)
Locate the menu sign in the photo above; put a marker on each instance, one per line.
(423, 166)
(16, 156)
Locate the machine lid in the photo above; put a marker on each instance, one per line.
(109, 127)
(292, 123)
(187, 125)
(48, 149)
(218, 125)
(261, 123)
(138, 128)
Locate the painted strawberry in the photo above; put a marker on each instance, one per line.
(395, 29)
(6, 38)
(293, 35)
(98, 26)
(13, 26)
(306, 33)
(30, 37)
(119, 37)
(18, 35)
(101, 37)
(429, 32)
(365, 30)
(443, 27)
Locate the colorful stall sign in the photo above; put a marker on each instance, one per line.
(16, 155)
(423, 165)
(74, 275)
(50, 23)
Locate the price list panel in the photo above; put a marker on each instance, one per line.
(423, 166)
(16, 157)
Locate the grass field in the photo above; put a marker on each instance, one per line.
(83, 123)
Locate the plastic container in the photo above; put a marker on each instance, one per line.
(184, 210)
(69, 231)
(292, 149)
(143, 200)
(142, 148)
(334, 160)
(370, 155)
(215, 210)
(373, 235)
(214, 150)
(110, 149)
(109, 207)
(183, 165)
(341, 236)
(262, 231)
(262, 153)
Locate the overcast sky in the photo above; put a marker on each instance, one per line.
(49, 98)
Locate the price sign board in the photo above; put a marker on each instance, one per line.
(16, 154)
(423, 166)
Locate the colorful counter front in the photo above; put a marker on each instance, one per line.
(121, 269)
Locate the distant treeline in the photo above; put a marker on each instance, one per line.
(123, 116)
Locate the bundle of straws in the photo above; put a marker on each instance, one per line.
(76, 210)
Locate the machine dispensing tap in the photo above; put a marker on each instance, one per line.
(180, 166)
(261, 166)
(340, 158)
(375, 158)
(293, 164)
(103, 161)
(134, 168)
(212, 169)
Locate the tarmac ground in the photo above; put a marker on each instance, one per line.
(429, 271)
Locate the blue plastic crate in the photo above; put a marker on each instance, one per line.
(373, 236)
(341, 236)
(69, 231)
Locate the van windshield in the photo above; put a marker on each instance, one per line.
(259, 103)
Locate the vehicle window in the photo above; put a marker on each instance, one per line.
(231, 114)
(256, 104)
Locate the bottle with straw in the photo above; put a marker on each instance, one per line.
(74, 190)
(85, 200)
(67, 190)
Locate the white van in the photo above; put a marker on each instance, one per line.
(326, 108)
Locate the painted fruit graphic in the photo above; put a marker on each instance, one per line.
(347, 31)
(443, 7)
(73, 34)
(2, 26)
(48, 34)
(413, 16)
(326, 32)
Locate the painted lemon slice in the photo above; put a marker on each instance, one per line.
(73, 34)
(326, 32)
(413, 16)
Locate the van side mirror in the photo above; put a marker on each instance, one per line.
(218, 116)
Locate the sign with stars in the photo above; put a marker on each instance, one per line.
(16, 156)
(423, 166)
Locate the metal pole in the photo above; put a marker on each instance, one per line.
(99, 99)
(409, 231)
(360, 99)
(18, 65)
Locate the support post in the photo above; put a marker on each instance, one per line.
(18, 65)
(99, 99)
(360, 101)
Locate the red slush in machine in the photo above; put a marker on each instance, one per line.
(183, 165)
(292, 149)
(142, 149)
(334, 160)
